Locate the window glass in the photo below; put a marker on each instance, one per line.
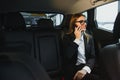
(31, 18)
(85, 13)
(106, 15)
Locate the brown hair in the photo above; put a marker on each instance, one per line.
(72, 22)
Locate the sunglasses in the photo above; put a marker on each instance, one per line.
(82, 21)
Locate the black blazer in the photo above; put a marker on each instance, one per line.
(70, 49)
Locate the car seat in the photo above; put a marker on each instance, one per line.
(110, 56)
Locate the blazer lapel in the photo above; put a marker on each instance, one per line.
(85, 43)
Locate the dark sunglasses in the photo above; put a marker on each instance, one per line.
(82, 21)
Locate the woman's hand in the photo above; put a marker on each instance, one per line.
(80, 74)
(77, 32)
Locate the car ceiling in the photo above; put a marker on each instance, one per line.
(56, 6)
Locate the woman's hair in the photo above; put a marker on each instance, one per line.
(72, 22)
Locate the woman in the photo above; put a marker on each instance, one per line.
(79, 54)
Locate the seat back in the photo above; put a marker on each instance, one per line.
(110, 56)
(14, 38)
(1, 21)
(20, 67)
(47, 46)
(42, 43)
(110, 61)
(17, 42)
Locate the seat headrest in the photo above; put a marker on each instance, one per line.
(45, 24)
(116, 28)
(14, 21)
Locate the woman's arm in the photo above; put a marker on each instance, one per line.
(70, 48)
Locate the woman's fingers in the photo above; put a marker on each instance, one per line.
(78, 28)
(75, 77)
(79, 75)
(77, 32)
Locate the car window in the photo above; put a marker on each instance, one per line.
(31, 18)
(106, 15)
(85, 13)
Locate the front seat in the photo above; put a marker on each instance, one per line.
(20, 67)
(110, 56)
(110, 62)
(16, 64)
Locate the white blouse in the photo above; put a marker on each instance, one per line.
(81, 53)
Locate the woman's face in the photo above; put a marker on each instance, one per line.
(81, 22)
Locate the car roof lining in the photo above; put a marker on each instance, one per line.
(54, 6)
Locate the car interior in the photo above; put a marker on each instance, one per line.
(31, 38)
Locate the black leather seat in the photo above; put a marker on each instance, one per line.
(15, 45)
(42, 43)
(110, 56)
(14, 21)
(20, 67)
(1, 21)
(110, 59)
(47, 47)
(14, 38)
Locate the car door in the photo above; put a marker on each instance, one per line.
(105, 17)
